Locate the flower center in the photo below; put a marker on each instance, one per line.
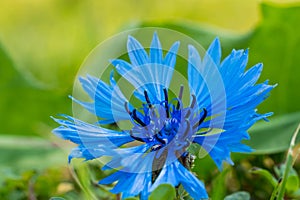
(160, 123)
(169, 130)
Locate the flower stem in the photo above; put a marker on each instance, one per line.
(288, 165)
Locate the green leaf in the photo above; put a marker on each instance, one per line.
(25, 104)
(16, 151)
(83, 178)
(19, 154)
(275, 42)
(292, 184)
(273, 136)
(265, 173)
(218, 185)
(238, 196)
(287, 167)
(163, 191)
(296, 194)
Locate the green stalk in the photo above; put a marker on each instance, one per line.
(275, 191)
(288, 165)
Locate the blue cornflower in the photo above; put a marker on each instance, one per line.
(222, 108)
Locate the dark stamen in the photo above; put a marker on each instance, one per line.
(201, 119)
(136, 138)
(147, 99)
(188, 114)
(126, 108)
(191, 106)
(193, 101)
(166, 102)
(160, 140)
(179, 96)
(187, 129)
(135, 117)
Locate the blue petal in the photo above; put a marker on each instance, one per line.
(175, 174)
(137, 183)
(108, 99)
(123, 157)
(137, 54)
(213, 53)
(240, 95)
(233, 66)
(148, 74)
(221, 144)
(88, 153)
(192, 185)
(135, 178)
(113, 177)
(170, 58)
(211, 81)
(93, 141)
(156, 50)
(206, 83)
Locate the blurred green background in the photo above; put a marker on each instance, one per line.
(44, 42)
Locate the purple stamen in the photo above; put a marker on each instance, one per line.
(179, 96)
(201, 119)
(166, 102)
(147, 99)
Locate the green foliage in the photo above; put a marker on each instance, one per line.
(274, 136)
(87, 176)
(16, 151)
(27, 163)
(23, 173)
(275, 42)
(25, 104)
(218, 189)
(266, 174)
(287, 182)
(238, 196)
(292, 182)
(34, 184)
(164, 191)
(286, 174)
(131, 198)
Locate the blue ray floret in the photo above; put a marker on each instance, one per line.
(223, 100)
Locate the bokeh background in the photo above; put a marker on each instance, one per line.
(43, 44)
